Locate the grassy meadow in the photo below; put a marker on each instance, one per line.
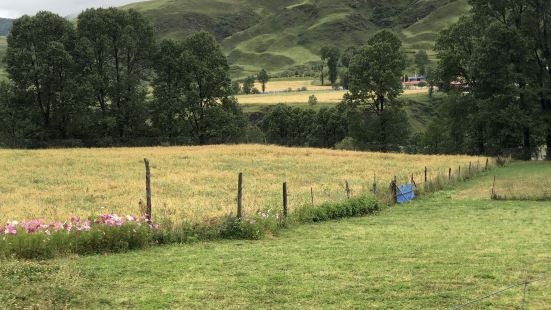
(192, 183)
(439, 251)
(514, 184)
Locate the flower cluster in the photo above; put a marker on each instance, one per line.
(74, 224)
(263, 216)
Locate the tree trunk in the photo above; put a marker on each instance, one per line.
(527, 145)
(548, 140)
(322, 78)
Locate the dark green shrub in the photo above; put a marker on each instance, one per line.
(358, 206)
(100, 239)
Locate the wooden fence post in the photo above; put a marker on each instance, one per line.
(425, 174)
(147, 189)
(312, 194)
(285, 199)
(450, 174)
(374, 183)
(494, 196)
(347, 188)
(469, 169)
(486, 167)
(394, 190)
(240, 195)
(459, 171)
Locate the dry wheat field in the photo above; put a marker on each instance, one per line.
(283, 85)
(323, 96)
(191, 183)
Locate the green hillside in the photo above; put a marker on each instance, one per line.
(287, 34)
(5, 26)
(3, 46)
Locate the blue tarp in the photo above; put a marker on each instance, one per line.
(405, 193)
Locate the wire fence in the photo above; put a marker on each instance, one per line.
(523, 302)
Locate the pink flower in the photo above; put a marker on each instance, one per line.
(130, 218)
(84, 226)
(32, 226)
(56, 226)
(10, 229)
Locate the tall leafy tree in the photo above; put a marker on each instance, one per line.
(324, 56)
(248, 85)
(375, 81)
(538, 25)
(333, 56)
(169, 86)
(346, 58)
(119, 44)
(40, 63)
(492, 55)
(12, 114)
(263, 78)
(421, 61)
(193, 92)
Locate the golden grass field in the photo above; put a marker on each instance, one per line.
(190, 182)
(324, 96)
(276, 85)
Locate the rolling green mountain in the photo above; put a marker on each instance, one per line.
(5, 26)
(283, 35)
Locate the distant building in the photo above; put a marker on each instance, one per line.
(413, 81)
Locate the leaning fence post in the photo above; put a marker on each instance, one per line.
(524, 293)
(239, 195)
(347, 188)
(486, 167)
(394, 190)
(285, 199)
(147, 189)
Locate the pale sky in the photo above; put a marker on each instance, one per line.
(16, 8)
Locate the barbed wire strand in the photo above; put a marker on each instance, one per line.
(479, 299)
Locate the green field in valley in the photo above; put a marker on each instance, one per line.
(439, 251)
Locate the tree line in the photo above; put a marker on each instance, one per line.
(495, 64)
(106, 79)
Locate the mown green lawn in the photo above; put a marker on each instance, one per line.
(439, 251)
